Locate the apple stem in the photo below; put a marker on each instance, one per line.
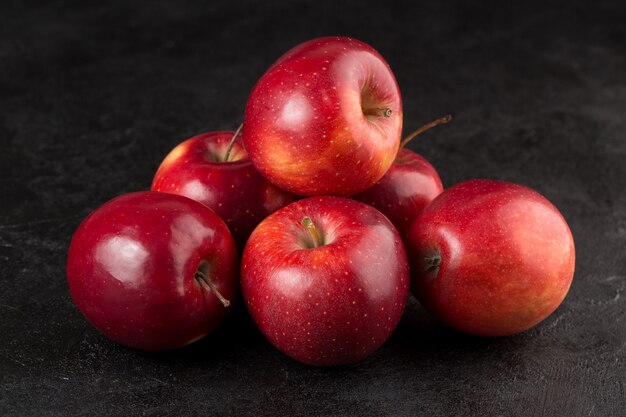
(442, 120)
(310, 227)
(232, 143)
(386, 112)
(200, 277)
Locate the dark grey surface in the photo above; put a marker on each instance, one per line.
(93, 96)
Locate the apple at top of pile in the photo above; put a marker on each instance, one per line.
(326, 118)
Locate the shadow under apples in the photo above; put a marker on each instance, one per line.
(421, 333)
(235, 334)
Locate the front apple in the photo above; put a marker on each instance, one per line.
(326, 118)
(214, 169)
(152, 270)
(490, 258)
(325, 279)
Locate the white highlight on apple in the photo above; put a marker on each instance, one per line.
(130, 257)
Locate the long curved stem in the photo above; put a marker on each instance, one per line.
(442, 120)
(232, 143)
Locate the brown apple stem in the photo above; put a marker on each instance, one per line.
(232, 143)
(442, 120)
(386, 112)
(310, 226)
(200, 277)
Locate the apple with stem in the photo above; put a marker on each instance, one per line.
(214, 169)
(153, 271)
(325, 279)
(325, 119)
(409, 185)
(490, 258)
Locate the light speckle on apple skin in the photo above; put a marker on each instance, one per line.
(348, 305)
(290, 126)
(409, 185)
(131, 268)
(234, 190)
(507, 257)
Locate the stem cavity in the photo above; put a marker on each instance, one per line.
(203, 280)
(442, 120)
(432, 262)
(232, 143)
(308, 224)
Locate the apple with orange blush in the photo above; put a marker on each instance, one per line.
(325, 279)
(490, 258)
(325, 119)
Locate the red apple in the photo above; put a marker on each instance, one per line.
(490, 258)
(326, 118)
(153, 271)
(199, 168)
(325, 279)
(409, 185)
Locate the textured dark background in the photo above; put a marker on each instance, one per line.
(93, 95)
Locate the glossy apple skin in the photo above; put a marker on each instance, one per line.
(409, 185)
(131, 269)
(234, 190)
(330, 305)
(305, 128)
(507, 257)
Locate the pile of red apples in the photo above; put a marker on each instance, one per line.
(334, 219)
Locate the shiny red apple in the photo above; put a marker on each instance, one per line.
(206, 169)
(326, 118)
(153, 271)
(490, 258)
(325, 279)
(409, 185)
